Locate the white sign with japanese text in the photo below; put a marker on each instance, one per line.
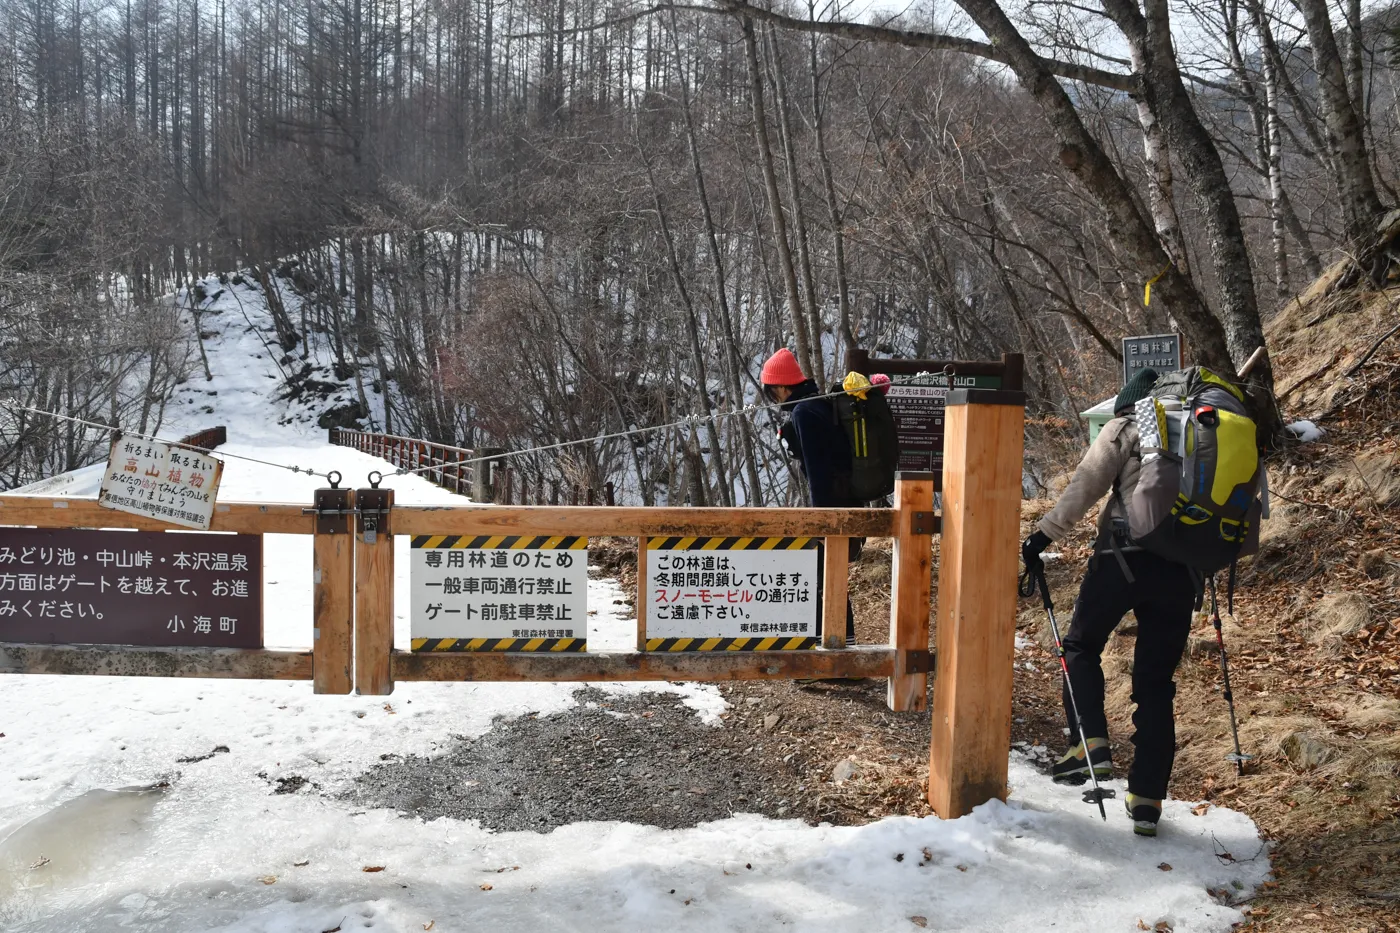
(746, 591)
(162, 481)
(519, 594)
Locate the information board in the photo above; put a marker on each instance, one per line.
(146, 588)
(499, 593)
(731, 594)
(1162, 352)
(917, 405)
(161, 481)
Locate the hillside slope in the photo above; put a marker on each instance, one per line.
(1314, 645)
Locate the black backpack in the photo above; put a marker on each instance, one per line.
(868, 423)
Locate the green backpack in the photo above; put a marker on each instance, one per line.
(1197, 498)
(869, 427)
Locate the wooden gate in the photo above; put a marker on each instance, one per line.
(351, 629)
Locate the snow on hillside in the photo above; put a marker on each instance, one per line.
(114, 814)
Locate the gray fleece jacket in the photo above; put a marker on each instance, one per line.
(1113, 456)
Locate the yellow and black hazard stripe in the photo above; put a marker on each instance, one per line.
(512, 542)
(677, 543)
(500, 644)
(767, 643)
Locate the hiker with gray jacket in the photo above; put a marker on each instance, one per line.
(1120, 577)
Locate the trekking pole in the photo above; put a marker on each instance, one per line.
(1239, 757)
(1098, 794)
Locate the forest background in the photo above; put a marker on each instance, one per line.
(518, 222)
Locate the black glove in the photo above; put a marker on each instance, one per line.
(1030, 553)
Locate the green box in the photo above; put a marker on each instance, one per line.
(1098, 416)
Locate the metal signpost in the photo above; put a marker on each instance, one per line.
(499, 593)
(1162, 352)
(731, 594)
(70, 586)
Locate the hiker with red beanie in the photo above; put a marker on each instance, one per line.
(813, 437)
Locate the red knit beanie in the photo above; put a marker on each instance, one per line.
(782, 370)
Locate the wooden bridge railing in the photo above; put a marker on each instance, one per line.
(441, 464)
(487, 479)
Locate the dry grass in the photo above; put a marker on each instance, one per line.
(1375, 476)
(1337, 617)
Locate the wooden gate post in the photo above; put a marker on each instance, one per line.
(486, 470)
(982, 464)
(911, 578)
(374, 591)
(333, 579)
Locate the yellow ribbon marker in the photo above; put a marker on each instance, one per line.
(1147, 289)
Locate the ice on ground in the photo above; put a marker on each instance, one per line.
(1305, 431)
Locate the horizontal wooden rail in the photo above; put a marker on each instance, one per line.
(123, 661)
(627, 521)
(347, 434)
(677, 665)
(243, 517)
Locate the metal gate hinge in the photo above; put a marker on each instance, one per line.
(332, 510)
(918, 661)
(374, 507)
(925, 523)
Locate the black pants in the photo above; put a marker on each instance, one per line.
(1162, 596)
(821, 597)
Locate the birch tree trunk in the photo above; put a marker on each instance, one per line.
(1082, 155)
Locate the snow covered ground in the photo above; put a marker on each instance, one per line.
(84, 848)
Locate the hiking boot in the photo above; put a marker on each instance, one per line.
(1145, 813)
(1074, 769)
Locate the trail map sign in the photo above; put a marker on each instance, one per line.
(731, 594)
(1162, 352)
(917, 405)
(499, 593)
(147, 588)
(162, 481)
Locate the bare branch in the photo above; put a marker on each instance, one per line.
(862, 32)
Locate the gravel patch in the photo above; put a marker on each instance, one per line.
(642, 758)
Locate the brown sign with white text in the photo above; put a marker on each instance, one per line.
(147, 588)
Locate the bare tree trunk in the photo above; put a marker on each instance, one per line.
(1081, 153)
(734, 360)
(1346, 138)
(1150, 36)
(833, 209)
(775, 206)
(1161, 197)
(702, 375)
(799, 212)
